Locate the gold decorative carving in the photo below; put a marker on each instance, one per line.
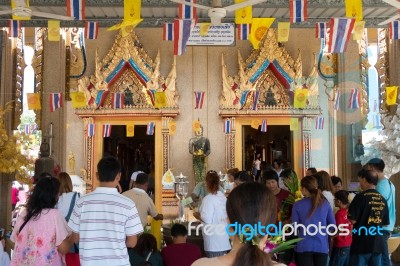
(88, 155)
(38, 66)
(364, 66)
(230, 146)
(75, 61)
(19, 80)
(382, 66)
(312, 85)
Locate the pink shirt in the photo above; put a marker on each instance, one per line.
(37, 243)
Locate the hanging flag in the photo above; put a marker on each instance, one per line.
(182, 28)
(78, 99)
(101, 98)
(13, 28)
(27, 129)
(204, 27)
(264, 125)
(255, 123)
(320, 29)
(298, 10)
(394, 30)
(243, 15)
(283, 31)
(196, 126)
(91, 30)
(319, 122)
(300, 98)
(171, 128)
(354, 9)
(160, 99)
(117, 100)
(150, 128)
(130, 130)
(243, 31)
(53, 30)
(132, 9)
(199, 98)
(33, 101)
(259, 27)
(227, 126)
(339, 34)
(55, 101)
(186, 11)
(294, 124)
(391, 95)
(377, 121)
(354, 100)
(76, 9)
(90, 130)
(168, 32)
(358, 31)
(106, 130)
(337, 100)
(256, 95)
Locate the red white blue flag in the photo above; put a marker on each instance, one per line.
(337, 100)
(13, 28)
(91, 30)
(394, 30)
(339, 34)
(106, 130)
(256, 95)
(186, 11)
(55, 101)
(182, 28)
(168, 32)
(27, 129)
(228, 126)
(320, 29)
(319, 122)
(243, 31)
(90, 130)
(117, 100)
(150, 128)
(264, 125)
(354, 101)
(199, 95)
(101, 98)
(298, 10)
(76, 9)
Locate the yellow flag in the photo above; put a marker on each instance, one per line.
(283, 31)
(14, 5)
(172, 127)
(391, 95)
(53, 30)
(160, 99)
(358, 30)
(300, 98)
(33, 101)
(259, 27)
(294, 124)
(204, 27)
(255, 123)
(130, 130)
(196, 126)
(354, 9)
(78, 99)
(132, 9)
(243, 15)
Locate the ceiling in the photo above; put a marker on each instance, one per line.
(155, 12)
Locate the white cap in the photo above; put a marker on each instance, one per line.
(135, 174)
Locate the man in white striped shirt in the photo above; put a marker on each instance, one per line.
(104, 222)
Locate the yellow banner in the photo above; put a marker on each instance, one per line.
(204, 27)
(294, 124)
(391, 95)
(358, 30)
(354, 9)
(132, 9)
(255, 123)
(78, 99)
(33, 101)
(172, 127)
(243, 15)
(53, 30)
(300, 98)
(259, 28)
(283, 31)
(196, 126)
(160, 99)
(130, 130)
(14, 5)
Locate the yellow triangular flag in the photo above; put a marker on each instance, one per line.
(300, 98)
(53, 30)
(132, 9)
(34, 101)
(243, 15)
(354, 9)
(78, 99)
(294, 124)
(130, 130)
(255, 123)
(358, 30)
(196, 126)
(259, 27)
(204, 27)
(283, 31)
(160, 99)
(172, 127)
(391, 95)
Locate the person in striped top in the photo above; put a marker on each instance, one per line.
(104, 222)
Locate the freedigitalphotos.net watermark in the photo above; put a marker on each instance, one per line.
(284, 230)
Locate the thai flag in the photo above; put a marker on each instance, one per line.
(298, 10)
(264, 125)
(118, 100)
(27, 129)
(377, 121)
(55, 101)
(13, 28)
(182, 28)
(91, 30)
(76, 9)
(150, 128)
(320, 29)
(354, 101)
(256, 95)
(186, 11)
(319, 122)
(199, 95)
(34, 129)
(168, 32)
(101, 98)
(90, 130)
(243, 31)
(228, 126)
(339, 34)
(394, 30)
(337, 100)
(106, 130)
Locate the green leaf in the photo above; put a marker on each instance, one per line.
(286, 245)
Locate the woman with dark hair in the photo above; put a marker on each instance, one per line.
(145, 251)
(327, 187)
(311, 211)
(242, 177)
(41, 232)
(67, 198)
(337, 183)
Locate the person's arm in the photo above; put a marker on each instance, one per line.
(75, 237)
(158, 217)
(64, 247)
(131, 241)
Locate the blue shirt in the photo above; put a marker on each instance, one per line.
(387, 190)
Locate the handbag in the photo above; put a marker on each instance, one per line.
(72, 259)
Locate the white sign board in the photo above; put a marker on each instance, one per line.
(223, 35)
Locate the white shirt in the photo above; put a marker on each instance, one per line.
(64, 202)
(330, 198)
(4, 258)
